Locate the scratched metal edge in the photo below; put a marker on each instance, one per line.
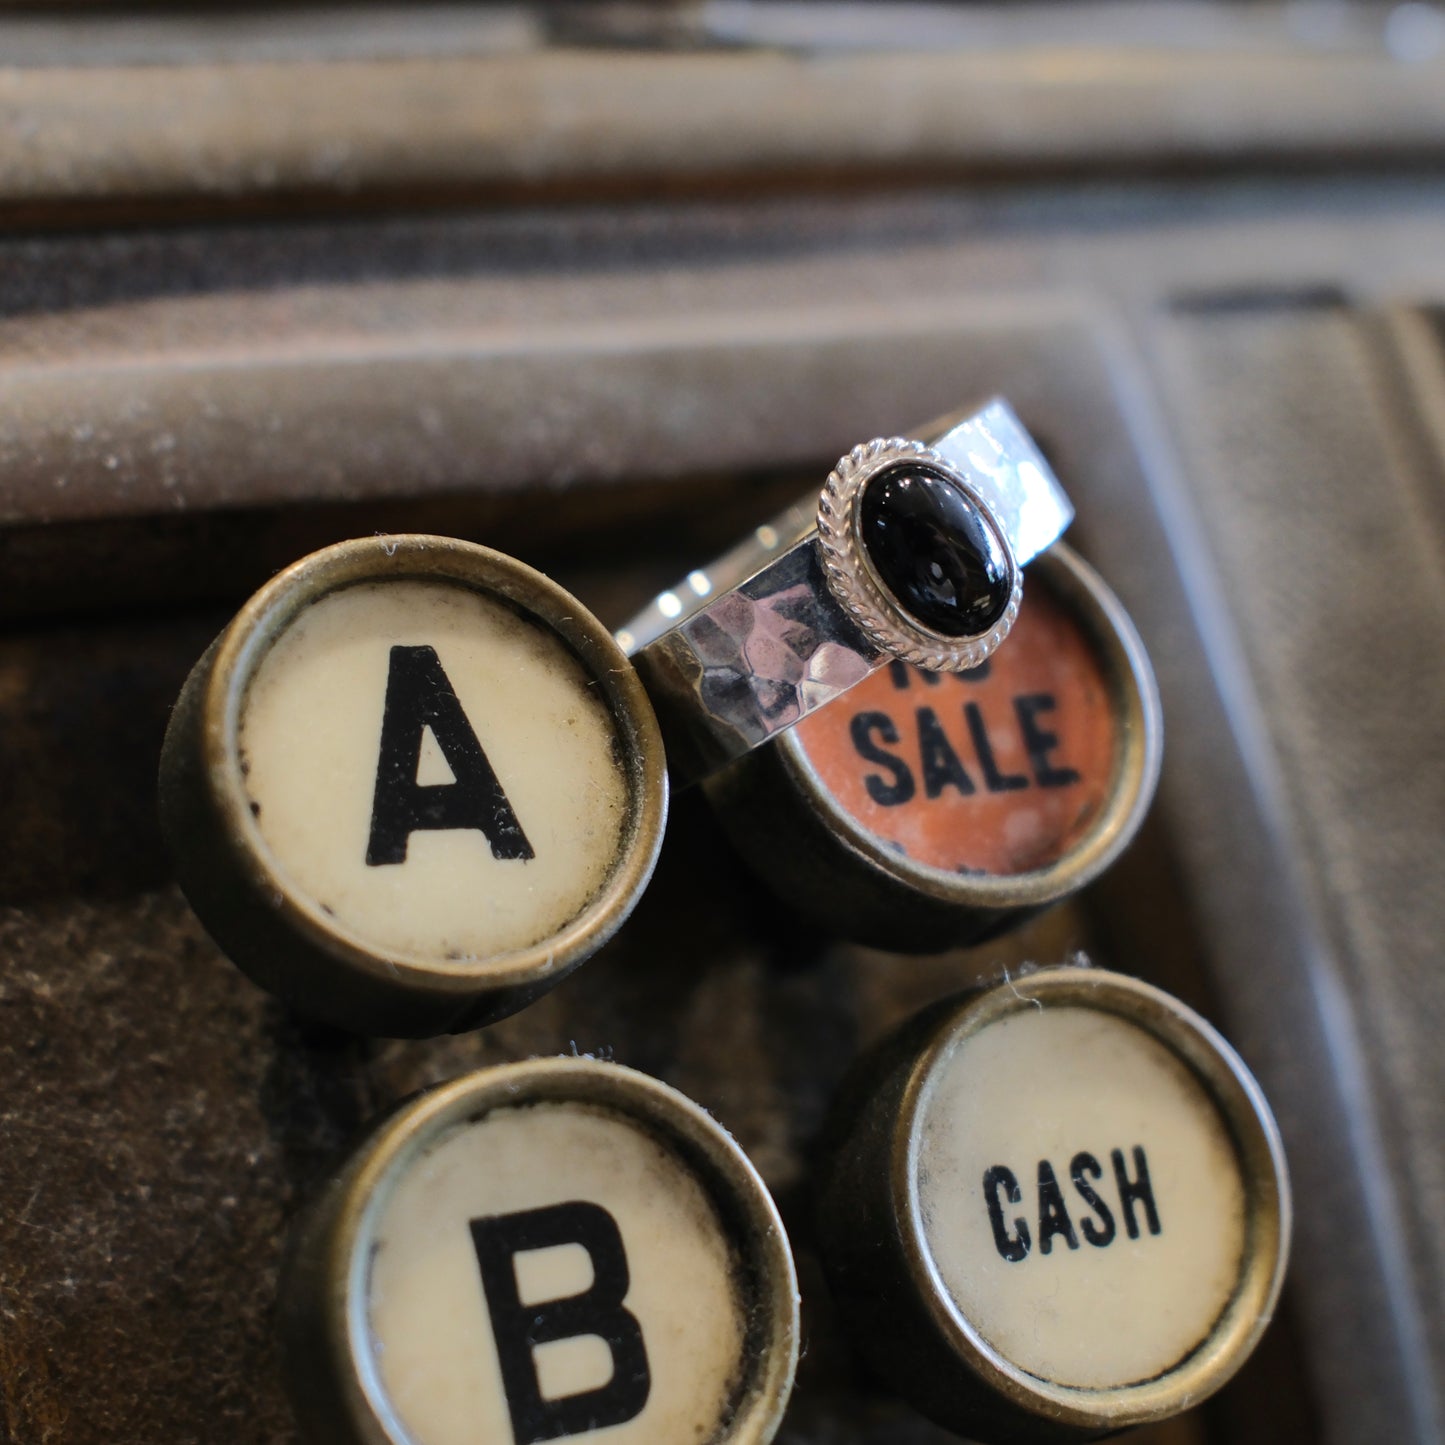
(420, 415)
(536, 117)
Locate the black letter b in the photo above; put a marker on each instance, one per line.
(518, 1329)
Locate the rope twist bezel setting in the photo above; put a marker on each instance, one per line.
(855, 583)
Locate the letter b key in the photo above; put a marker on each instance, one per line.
(519, 1326)
(535, 1252)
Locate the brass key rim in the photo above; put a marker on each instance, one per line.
(221, 853)
(1263, 1172)
(323, 1312)
(1139, 751)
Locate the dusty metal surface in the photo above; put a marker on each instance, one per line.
(124, 110)
(556, 119)
(1238, 370)
(249, 365)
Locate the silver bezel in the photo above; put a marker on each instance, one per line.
(858, 588)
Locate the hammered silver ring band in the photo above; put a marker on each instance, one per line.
(913, 550)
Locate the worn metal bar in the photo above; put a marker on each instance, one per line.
(334, 124)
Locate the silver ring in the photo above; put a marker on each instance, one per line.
(913, 551)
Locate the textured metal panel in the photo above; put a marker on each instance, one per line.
(168, 114)
(1329, 549)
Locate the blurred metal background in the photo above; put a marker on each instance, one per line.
(601, 285)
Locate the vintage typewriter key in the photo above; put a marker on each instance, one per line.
(412, 785)
(924, 810)
(1054, 1208)
(536, 1252)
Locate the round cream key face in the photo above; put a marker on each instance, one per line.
(433, 772)
(1079, 1195)
(544, 1251)
(1092, 1202)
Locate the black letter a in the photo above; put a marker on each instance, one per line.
(519, 1328)
(419, 696)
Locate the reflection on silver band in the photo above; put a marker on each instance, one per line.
(744, 648)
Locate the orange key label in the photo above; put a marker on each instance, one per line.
(1001, 770)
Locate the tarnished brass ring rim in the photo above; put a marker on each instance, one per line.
(732, 1183)
(493, 574)
(1263, 1171)
(1139, 753)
